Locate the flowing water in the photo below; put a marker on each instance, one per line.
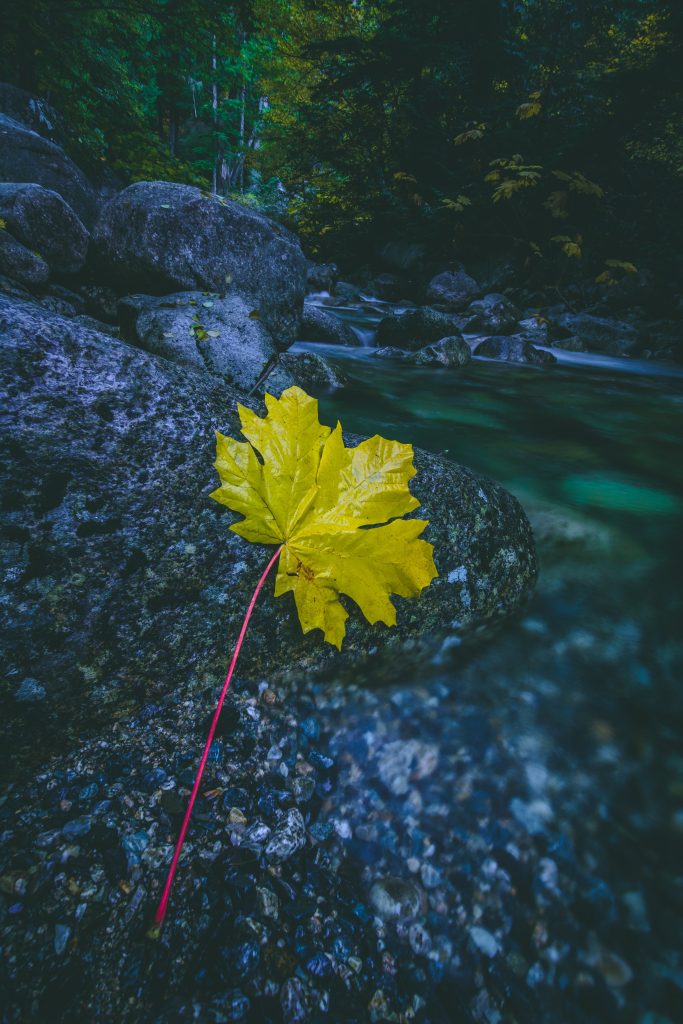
(585, 688)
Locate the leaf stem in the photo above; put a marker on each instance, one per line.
(163, 902)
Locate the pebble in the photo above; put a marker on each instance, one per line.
(289, 835)
(292, 1001)
(30, 691)
(62, 936)
(484, 941)
(77, 827)
(397, 899)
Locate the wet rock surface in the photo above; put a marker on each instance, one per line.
(452, 351)
(416, 328)
(514, 349)
(311, 372)
(205, 331)
(316, 325)
(121, 576)
(430, 851)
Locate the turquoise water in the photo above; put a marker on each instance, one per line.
(599, 442)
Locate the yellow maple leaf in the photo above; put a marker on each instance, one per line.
(336, 511)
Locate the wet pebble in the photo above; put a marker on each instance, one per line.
(289, 835)
(397, 899)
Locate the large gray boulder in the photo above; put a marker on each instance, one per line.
(40, 219)
(120, 578)
(160, 237)
(416, 328)
(316, 325)
(20, 264)
(452, 289)
(599, 333)
(25, 156)
(204, 331)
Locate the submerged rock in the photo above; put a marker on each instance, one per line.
(162, 237)
(120, 576)
(316, 325)
(389, 352)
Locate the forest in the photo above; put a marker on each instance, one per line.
(341, 508)
(549, 131)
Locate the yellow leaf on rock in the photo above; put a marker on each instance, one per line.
(335, 511)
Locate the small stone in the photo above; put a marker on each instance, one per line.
(431, 876)
(62, 935)
(420, 940)
(236, 816)
(292, 1001)
(254, 837)
(135, 845)
(397, 899)
(288, 837)
(77, 827)
(533, 816)
(484, 941)
(636, 910)
(614, 970)
(30, 691)
(267, 902)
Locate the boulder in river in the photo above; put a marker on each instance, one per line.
(322, 277)
(20, 264)
(452, 351)
(389, 352)
(120, 578)
(26, 156)
(514, 349)
(42, 221)
(494, 314)
(204, 331)
(452, 289)
(601, 334)
(388, 287)
(311, 372)
(416, 328)
(316, 325)
(161, 237)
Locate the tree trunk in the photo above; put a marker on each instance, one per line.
(214, 107)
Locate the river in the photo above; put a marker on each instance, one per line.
(583, 692)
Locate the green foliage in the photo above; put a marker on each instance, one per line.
(451, 126)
